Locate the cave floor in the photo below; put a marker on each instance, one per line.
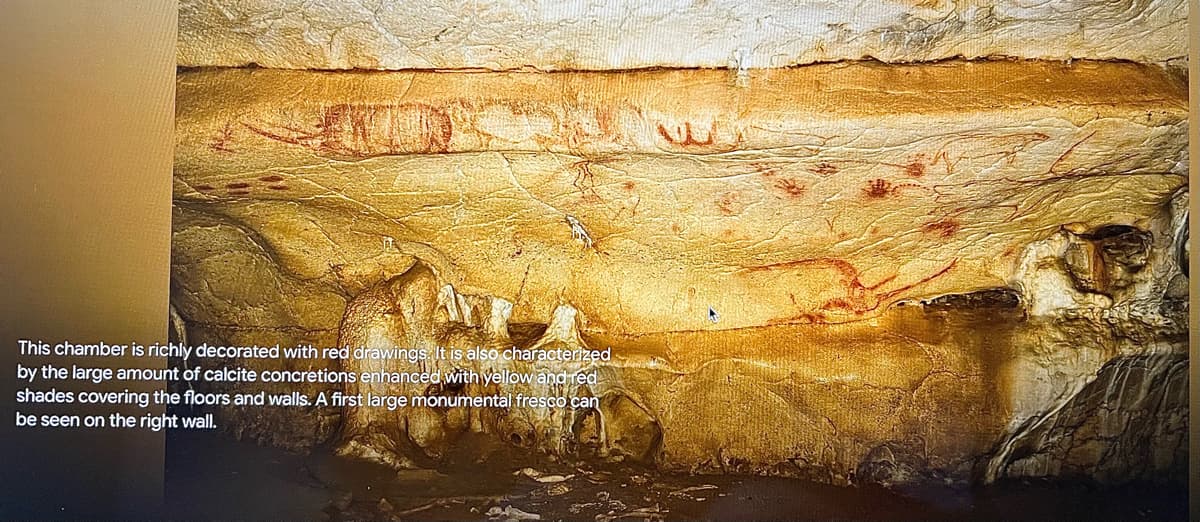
(209, 476)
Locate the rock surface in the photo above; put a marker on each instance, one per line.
(549, 35)
(769, 204)
(848, 272)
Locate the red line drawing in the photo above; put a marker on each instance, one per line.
(859, 297)
(368, 130)
(1063, 157)
(688, 139)
(790, 188)
(685, 138)
(221, 141)
(585, 181)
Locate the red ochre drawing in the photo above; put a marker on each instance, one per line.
(585, 182)
(944, 227)
(982, 146)
(915, 169)
(245, 188)
(690, 140)
(729, 203)
(824, 169)
(221, 142)
(367, 130)
(684, 137)
(882, 188)
(790, 188)
(766, 170)
(858, 299)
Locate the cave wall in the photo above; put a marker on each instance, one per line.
(546, 35)
(955, 271)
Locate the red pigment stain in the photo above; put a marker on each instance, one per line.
(915, 169)
(205, 187)
(221, 142)
(802, 318)
(239, 192)
(790, 187)
(725, 203)
(675, 228)
(767, 171)
(628, 185)
(236, 186)
(944, 228)
(812, 318)
(686, 138)
(859, 297)
(824, 169)
(877, 188)
(272, 178)
(277, 187)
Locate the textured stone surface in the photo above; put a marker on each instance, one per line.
(770, 204)
(550, 35)
(920, 272)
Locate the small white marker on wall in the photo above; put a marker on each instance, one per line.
(389, 243)
(579, 233)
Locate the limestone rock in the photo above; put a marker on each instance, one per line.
(739, 34)
(936, 271)
(769, 204)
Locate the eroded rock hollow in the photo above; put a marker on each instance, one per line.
(855, 272)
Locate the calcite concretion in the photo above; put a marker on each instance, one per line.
(548, 35)
(849, 272)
